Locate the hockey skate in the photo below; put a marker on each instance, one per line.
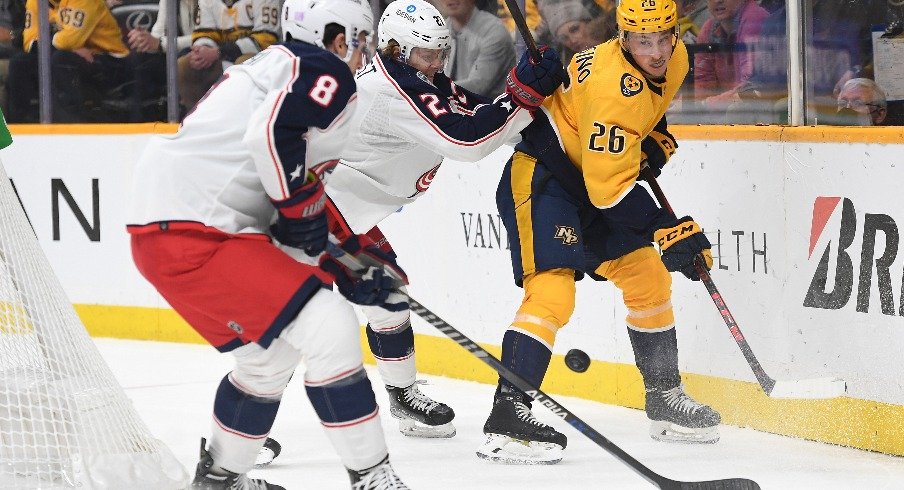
(207, 480)
(268, 453)
(676, 417)
(514, 436)
(379, 477)
(418, 414)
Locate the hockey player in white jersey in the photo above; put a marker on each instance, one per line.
(204, 202)
(408, 118)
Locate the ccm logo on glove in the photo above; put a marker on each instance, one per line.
(681, 242)
(666, 237)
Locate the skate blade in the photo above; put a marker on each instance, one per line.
(664, 431)
(508, 450)
(268, 453)
(413, 428)
(264, 458)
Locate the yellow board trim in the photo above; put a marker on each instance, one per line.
(790, 134)
(96, 129)
(862, 424)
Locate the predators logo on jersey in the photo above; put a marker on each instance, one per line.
(567, 234)
(630, 85)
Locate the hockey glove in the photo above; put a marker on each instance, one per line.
(301, 219)
(372, 288)
(366, 251)
(681, 242)
(530, 82)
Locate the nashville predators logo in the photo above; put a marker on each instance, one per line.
(566, 234)
(630, 85)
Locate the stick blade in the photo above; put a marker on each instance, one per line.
(725, 484)
(809, 388)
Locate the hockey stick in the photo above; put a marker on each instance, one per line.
(805, 388)
(518, 17)
(542, 398)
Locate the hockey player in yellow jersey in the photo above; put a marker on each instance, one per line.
(89, 56)
(571, 206)
(225, 32)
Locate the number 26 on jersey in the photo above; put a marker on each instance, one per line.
(611, 138)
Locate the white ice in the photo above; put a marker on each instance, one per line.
(172, 386)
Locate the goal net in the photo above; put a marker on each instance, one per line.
(64, 420)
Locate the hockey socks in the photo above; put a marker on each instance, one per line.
(526, 357)
(674, 416)
(348, 412)
(656, 356)
(394, 353)
(241, 422)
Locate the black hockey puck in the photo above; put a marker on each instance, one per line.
(577, 360)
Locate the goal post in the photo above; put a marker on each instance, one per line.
(65, 422)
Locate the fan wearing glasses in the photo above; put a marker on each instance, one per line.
(865, 98)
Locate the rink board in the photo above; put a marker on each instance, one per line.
(775, 204)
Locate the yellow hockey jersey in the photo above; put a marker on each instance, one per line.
(237, 27)
(77, 24)
(611, 117)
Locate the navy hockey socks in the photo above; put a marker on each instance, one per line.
(345, 400)
(525, 356)
(241, 412)
(391, 346)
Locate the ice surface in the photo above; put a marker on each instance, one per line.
(173, 385)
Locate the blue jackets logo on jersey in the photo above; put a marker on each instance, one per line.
(630, 85)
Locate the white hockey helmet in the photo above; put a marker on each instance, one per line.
(306, 20)
(413, 24)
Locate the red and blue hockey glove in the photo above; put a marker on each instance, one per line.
(368, 252)
(372, 288)
(301, 219)
(530, 82)
(680, 243)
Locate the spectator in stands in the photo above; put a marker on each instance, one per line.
(482, 50)
(846, 26)
(719, 75)
(87, 64)
(573, 27)
(149, 60)
(531, 16)
(12, 21)
(865, 98)
(692, 14)
(224, 35)
(839, 47)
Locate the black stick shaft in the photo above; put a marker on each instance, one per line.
(542, 398)
(534, 392)
(518, 17)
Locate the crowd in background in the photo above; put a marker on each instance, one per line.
(108, 57)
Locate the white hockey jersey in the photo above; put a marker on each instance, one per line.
(402, 128)
(247, 144)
